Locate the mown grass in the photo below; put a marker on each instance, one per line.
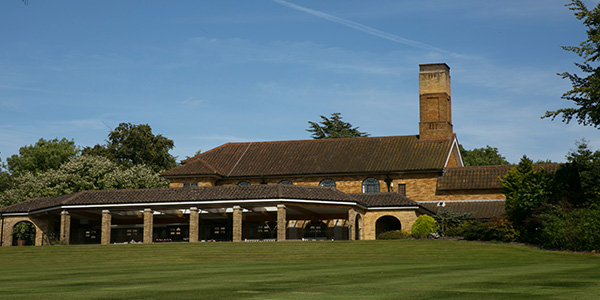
(298, 270)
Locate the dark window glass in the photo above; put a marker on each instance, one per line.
(327, 183)
(370, 185)
(243, 183)
(402, 189)
(190, 184)
(286, 182)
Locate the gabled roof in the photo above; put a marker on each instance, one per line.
(325, 156)
(480, 177)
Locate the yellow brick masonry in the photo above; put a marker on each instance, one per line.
(419, 187)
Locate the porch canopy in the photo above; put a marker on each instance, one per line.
(231, 213)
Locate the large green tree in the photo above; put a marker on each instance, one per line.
(585, 93)
(482, 156)
(130, 145)
(334, 128)
(42, 156)
(526, 190)
(81, 173)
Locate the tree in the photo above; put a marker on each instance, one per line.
(79, 174)
(43, 156)
(577, 183)
(334, 128)
(586, 90)
(5, 178)
(526, 190)
(487, 156)
(131, 145)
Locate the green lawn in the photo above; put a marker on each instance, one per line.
(298, 270)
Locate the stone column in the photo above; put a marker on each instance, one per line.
(148, 225)
(351, 224)
(237, 223)
(65, 227)
(194, 224)
(281, 222)
(106, 221)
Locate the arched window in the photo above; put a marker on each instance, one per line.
(327, 183)
(243, 183)
(286, 182)
(370, 185)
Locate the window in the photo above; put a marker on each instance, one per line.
(190, 184)
(286, 182)
(402, 189)
(327, 183)
(243, 183)
(370, 185)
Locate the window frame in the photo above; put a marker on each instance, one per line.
(371, 185)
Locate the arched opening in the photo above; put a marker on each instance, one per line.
(357, 228)
(24, 234)
(387, 223)
(315, 230)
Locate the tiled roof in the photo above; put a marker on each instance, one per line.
(325, 156)
(480, 177)
(254, 192)
(384, 200)
(480, 209)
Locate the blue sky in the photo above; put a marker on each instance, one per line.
(204, 73)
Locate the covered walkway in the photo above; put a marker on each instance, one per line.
(224, 213)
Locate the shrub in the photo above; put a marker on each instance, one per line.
(575, 230)
(475, 230)
(499, 229)
(423, 225)
(392, 235)
(450, 221)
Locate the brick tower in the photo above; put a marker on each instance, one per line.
(434, 102)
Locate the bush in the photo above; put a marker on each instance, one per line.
(499, 229)
(392, 235)
(450, 221)
(423, 225)
(575, 230)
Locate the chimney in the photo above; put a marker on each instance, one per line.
(434, 102)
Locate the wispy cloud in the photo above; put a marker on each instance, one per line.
(360, 27)
(192, 101)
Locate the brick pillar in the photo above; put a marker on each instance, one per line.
(194, 224)
(65, 227)
(105, 234)
(352, 224)
(148, 225)
(281, 222)
(237, 223)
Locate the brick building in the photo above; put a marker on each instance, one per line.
(350, 188)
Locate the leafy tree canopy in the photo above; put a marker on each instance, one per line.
(525, 189)
(132, 145)
(487, 156)
(44, 155)
(334, 128)
(586, 89)
(578, 181)
(81, 173)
